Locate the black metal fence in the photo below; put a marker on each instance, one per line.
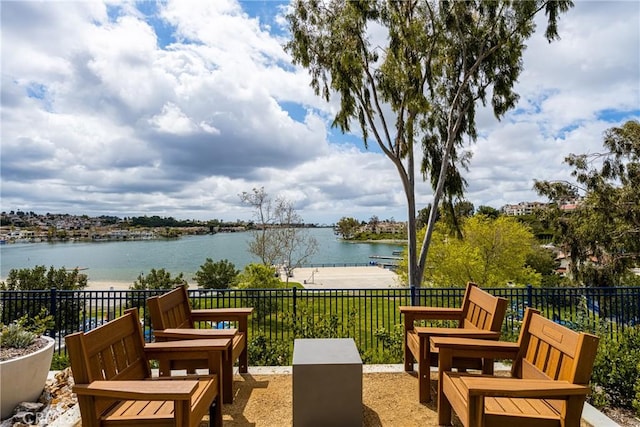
(284, 314)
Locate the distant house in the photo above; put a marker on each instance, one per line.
(522, 208)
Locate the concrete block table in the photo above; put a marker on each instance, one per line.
(327, 383)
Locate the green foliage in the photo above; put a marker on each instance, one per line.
(604, 225)
(303, 325)
(59, 361)
(392, 346)
(616, 372)
(216, 275)
(15, 336)
(307, 325)
(370, 235)
(258, 276)
(543, 261)
(23, 332)
(265, 352)
(491, 253)
(347, 227)
(422, 84)
(39, 278)
(158, 280)
(156, 221)
(539, 227)
(488, 211)
(636, 401)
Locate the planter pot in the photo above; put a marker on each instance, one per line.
(22, 379)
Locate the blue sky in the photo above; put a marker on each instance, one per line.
(175, 108)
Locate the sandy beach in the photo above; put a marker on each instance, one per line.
(310, 278)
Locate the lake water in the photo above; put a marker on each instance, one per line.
(124, 261)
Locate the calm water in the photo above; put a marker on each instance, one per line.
(124, 261)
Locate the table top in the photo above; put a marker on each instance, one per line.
(325, 351)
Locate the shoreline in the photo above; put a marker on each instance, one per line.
(310, 277)
(341, 277)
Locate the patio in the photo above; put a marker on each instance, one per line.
(263, 397)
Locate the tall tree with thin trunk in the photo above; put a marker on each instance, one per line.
(601, 234)
(410, 74)
(280, 237)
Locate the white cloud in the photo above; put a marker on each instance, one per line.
(105, 111)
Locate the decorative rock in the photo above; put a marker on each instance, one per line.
(25, 417)
(29, 407)
(54, 401)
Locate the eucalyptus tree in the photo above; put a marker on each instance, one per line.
(605, 224)
(410, 73)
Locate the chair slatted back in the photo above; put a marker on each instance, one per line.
(551, 351)
(112, 351)
(482, 310)
(171, 310)
(554, 352)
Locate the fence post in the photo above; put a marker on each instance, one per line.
(52, 302)
(414, 300)
(52, 312)
(529, 295)
(294, 303)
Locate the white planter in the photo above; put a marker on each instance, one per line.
(22, 379)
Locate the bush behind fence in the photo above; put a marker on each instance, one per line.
(368, 316)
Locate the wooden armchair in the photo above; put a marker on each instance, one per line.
(480, 316)
(114, 385)
(172, 318)
(548, 385)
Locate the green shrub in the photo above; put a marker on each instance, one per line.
(59, 361)
(307, 325)
(15, 336)
(616, 371)
(260, 276)
(158, 280)
(392, 350)
(216, 275)
(261, 353)
(636, 401)
(39, 278)
(24, 331)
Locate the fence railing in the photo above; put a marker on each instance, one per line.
(285, 314)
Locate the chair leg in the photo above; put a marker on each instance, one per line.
(215, 413)
(424, 381)
(243, 360)
(424, 371)
(227, 379)
(408, 357)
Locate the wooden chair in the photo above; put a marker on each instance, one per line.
(172, 318)
(114, 385)
(480, 316)
(548, 385)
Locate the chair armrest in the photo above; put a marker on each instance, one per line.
(210, 344)
(430, 313)
(197, 334)
(138, 390)
(519, 388)
(218, 344)
(468, 347)
(456, 333)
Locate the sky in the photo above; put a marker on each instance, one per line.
(176, 108)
